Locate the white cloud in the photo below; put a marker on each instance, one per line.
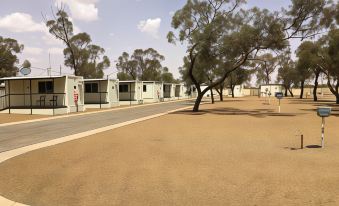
(32, 50)
(171, 13)
(56, 51)
(150, 26)
(84, 10)
(20, 22)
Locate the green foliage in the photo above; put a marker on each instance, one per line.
(266, 66)
(221, 37)
(308, 60)
(287, 72)
(8, 59)
(86, 59)
(144, 65)
(90, 59)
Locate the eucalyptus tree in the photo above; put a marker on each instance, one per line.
(234, 36)
(61, 27)
(9, 48)
(167, 76)
(238, 77)
(86, 59)
(329, 55)
(90, 59)
(287, 73)
(308, 64)
(266, 66)
(127, 67)
(144, 65)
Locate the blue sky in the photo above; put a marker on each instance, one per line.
(115, 25)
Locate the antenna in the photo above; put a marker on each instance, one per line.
(49, 70)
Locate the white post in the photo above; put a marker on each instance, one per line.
(323, 132)
(279, 105)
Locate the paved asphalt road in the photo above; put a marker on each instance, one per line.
(12, 137)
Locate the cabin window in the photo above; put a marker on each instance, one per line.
(123, 88)
(144, 88)
(46, 87)
(91, 88)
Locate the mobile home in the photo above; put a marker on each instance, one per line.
(267, 89)
(238, 91)
(130, 92)
(152, 91)
(180, 91)
(169, 91)
(101, 93)
(49, 95)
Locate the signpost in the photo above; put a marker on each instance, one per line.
(279, 96)
(323, 112)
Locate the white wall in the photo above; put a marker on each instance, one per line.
(270, 88)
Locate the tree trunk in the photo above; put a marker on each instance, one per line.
(291, 93)
(212, 96)
(221, 95)
(286, 89)
(198, 102)
(302, 89)
(335, 91)
(315, 97)
(232, 90)
(221, 92)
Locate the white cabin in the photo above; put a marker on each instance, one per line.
(169, 91)
(152, 91)
(267, 89)
(101, 93)
(45, 95)
(130, 92)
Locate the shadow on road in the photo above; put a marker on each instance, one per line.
(259, 113)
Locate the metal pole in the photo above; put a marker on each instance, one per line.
(9, 96)
(100, 92)
(323, 132)
(302, 142)
(30, 95)
(53, 99)
(130, 94)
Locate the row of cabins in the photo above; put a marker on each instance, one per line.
(54, 95)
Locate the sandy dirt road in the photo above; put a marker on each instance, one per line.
(240, 152)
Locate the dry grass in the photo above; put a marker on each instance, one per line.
(240, 152)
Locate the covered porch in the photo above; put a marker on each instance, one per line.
(130, 92)
(96, 93)
(34, 95)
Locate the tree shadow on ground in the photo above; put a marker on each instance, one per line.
(229, 111)
(307, 147)
(313, 146)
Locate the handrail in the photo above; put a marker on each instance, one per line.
(35, 94)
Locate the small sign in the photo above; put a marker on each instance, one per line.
(324, 111)
(76, 96)
(279, 95)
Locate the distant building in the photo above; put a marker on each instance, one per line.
(267, 89)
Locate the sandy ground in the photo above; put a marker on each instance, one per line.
(240, 152)
(6, 118)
